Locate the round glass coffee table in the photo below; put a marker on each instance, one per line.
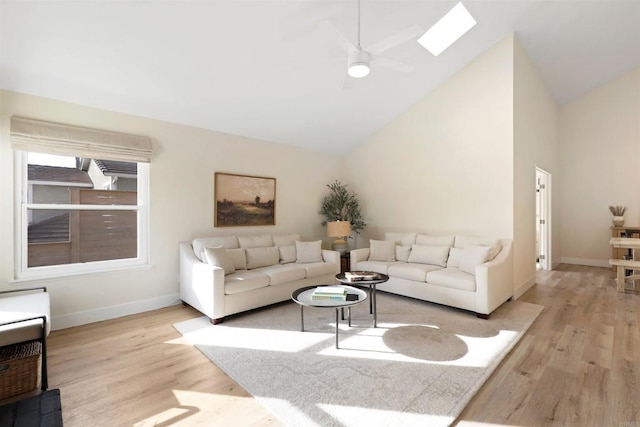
(303, 297)
(368, 279)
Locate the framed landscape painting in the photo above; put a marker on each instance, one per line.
(243, 200)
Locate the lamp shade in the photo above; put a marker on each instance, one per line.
(338, 228)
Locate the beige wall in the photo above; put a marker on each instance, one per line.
(182, 171)
(535, 145)
(600, 154)
(445, 165)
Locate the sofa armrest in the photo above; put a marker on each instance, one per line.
(332, 257)
(358, 255)
(201, 284)
(494, 280)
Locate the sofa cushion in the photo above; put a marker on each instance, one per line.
(427, 240)
(382, 250)
(435, 255)
(227, 242)
(473, 256)
(452, 278)
(403, 239)
(262, 257)
(315, 269)
(454, 257)
(409, 271)
(244, 280)
(279, 274)
(495, 245)
(220, 258)
(402, 253)
(258, 241)
(375, 266)
(308, 251)
(239, 258)
(285, 239)
(287, 254)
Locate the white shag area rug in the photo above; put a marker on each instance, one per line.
(419, 367)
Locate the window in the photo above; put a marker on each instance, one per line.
(80, 212)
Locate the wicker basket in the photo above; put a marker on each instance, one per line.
(19, 368)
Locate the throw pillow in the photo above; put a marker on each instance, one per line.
(239, 258)
(403, 252)
(287, 254)
(494, 244)
(220, 258)
(382, 250)
(473, 256)
(200, 243)
(262, 257)
(454, 257)
(434, 255)
(307, 252)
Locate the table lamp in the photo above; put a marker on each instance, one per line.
(341, 230)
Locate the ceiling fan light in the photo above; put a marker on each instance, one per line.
(358, 69)
(358, 65)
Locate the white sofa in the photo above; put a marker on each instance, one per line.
(470, 273)
(225, 275)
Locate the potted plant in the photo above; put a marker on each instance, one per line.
(341, 205)
(618, 212)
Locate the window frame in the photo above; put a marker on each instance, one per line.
(22, 205)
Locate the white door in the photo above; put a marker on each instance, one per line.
(543, 219)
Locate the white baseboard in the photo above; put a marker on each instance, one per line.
(586, 261)
(112, 312)
(520, 290)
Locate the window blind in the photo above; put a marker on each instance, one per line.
(62, 139)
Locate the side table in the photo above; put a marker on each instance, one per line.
(345, 262)
(371, 284)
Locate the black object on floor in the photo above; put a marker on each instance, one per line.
(43, 410)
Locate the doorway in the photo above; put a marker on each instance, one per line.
(543, 219)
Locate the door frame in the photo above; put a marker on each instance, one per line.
(543, 218)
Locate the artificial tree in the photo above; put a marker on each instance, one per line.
(341, 205)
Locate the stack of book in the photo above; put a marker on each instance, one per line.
(361, 276)
(337, 293)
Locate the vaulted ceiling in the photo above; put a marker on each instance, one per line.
(270, 69)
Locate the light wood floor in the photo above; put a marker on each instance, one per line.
(578, 365)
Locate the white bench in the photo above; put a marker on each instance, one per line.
(24, 317)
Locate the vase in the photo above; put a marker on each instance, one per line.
(618, 221)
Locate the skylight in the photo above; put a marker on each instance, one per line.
(447, 30)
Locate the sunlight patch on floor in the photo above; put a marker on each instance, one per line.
(357, 341)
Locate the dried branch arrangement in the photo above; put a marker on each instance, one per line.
(617, 210)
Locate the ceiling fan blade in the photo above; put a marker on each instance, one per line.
(343, 41)
(392, 64)
(348, 82)
(395, 40)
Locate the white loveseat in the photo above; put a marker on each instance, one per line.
(224, 275)
(470, 273)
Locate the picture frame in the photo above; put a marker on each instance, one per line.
(244, 200)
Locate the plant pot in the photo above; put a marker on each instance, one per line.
(618, 221)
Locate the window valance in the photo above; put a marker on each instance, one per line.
(61, 139)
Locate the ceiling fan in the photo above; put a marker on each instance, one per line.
(359, 59)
